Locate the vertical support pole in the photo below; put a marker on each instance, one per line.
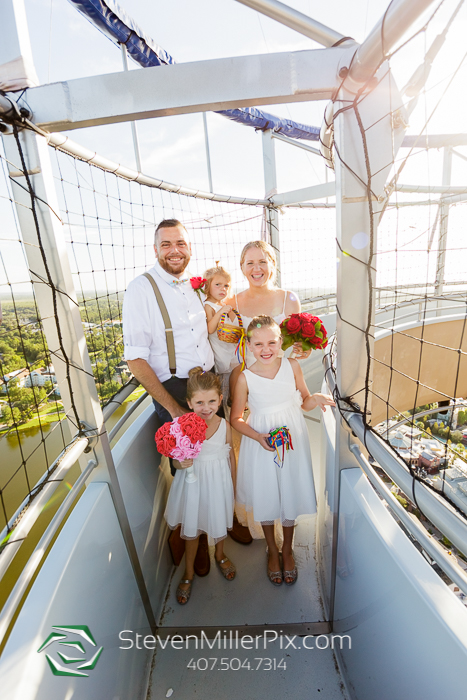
(41, 228)
(133, 124)
(443, 227)
(208, 154)
(270, 186)
(366, 140)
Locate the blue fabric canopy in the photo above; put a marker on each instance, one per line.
(117, 26)
(121, 29)
(251, 116)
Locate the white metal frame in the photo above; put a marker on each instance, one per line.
(201, 86)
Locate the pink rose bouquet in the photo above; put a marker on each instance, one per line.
(182, 439)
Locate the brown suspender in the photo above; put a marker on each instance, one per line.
(169, 334)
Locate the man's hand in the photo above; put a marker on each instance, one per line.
(176, 411)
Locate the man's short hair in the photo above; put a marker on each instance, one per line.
(168, 223)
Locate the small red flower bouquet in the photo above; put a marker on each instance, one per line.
(197, 283)
(182, 439)
(304, 328)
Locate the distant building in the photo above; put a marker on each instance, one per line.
(122, 372)
(38, 377)
(18, 375)
(429, 462)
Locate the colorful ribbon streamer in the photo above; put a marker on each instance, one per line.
(280, 437)
(240, 350)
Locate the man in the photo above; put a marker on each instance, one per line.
(143, 327)
(144, 331)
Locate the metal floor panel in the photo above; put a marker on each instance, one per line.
(250, 599)
(309, 674)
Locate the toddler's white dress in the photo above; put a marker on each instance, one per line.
(224, 356)
(205, 505)
(267, 491)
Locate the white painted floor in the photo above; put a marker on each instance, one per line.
(249, 599)
(309, 674)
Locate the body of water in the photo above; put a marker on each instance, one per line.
(24, 459)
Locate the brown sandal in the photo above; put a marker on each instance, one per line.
(184, 594)
(229, 570)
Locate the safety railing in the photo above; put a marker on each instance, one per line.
(29, 572)
(436, 509)
(30, 509)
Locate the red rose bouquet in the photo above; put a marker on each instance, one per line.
(304, 328)
(182, 439)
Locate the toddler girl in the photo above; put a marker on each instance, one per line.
(205, 505)
(276, 392)
(217, 289)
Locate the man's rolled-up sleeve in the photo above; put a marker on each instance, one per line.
(137, 336)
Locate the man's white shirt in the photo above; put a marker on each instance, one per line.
(144, 330)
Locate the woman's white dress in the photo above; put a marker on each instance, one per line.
(267, 491)
(205, 505)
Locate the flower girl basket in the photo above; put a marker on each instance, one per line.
(229, 333)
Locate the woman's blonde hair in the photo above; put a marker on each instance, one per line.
(211, 273)
(268, 251)
(262, 321)
(199, 380)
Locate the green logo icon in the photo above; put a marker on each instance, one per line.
(71, 646)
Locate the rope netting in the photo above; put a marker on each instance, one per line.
(32, 433)
(108, 225)
(416, 370)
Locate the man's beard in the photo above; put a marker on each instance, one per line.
(165, 264)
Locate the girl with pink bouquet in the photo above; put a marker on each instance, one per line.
(204, 505)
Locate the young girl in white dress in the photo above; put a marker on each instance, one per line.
(217, 289)
(205, 505)
(276, 393)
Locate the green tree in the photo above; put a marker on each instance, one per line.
(108, 389)
(435, 428)
(49, 388)
(11, 416)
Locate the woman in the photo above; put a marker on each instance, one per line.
(258, 264)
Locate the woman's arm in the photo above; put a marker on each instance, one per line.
(292, 304)
(236, 415)
(213, 317)
(309, 401)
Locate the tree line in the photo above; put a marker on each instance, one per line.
(23, 345)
